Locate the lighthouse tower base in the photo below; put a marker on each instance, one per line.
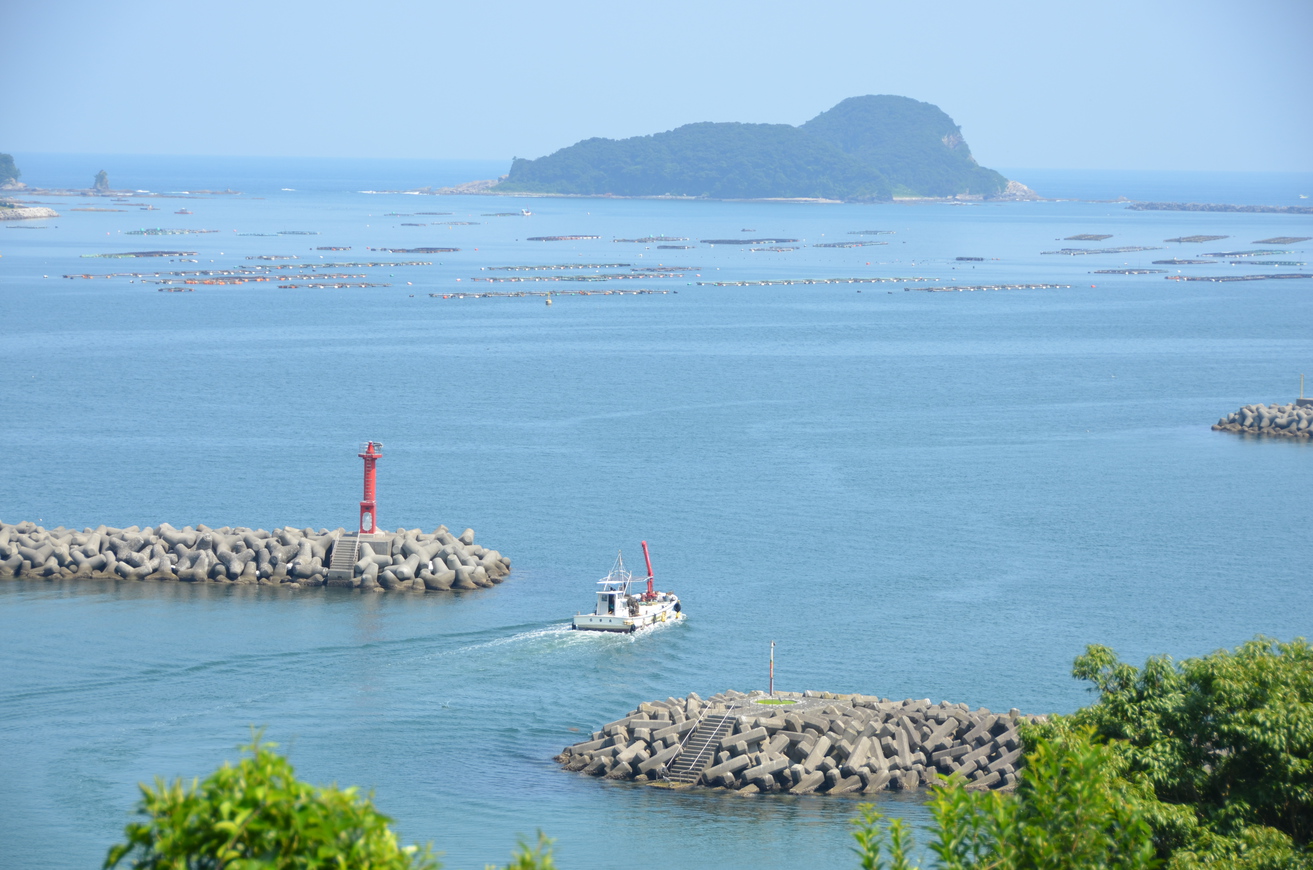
(342, 570)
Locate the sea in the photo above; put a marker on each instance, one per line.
(943, 495)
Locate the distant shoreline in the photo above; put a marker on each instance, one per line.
(484, 187)
(1220, 207)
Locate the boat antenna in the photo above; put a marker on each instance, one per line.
(647, 558)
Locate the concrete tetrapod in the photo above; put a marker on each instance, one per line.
(809, 743)
(407, 560)
(1291, 420)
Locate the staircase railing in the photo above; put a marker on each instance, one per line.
(713, 736)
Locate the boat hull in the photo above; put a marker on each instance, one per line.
(648, 616)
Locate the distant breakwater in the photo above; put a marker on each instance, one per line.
(1219, 206)
(808, 743)
(407, 560)
(1292, 420)
(26, 213)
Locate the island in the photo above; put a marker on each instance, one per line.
(865, 149)
(9, 173)
(14, 211)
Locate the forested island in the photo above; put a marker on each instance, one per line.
(9, 173)
(13, 211)
(865, 149)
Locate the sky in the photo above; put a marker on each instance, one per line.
(1200, 85)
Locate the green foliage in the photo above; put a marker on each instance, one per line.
(873, 835)
(536, 857)
(258, 815)
(914, 144)
(865, 148)
(102, 180)
(1221, 747)
(8, 171)
(1070, 812)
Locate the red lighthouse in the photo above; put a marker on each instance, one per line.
(368, 515)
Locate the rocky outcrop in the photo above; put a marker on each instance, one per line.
(469, 187)
(1292, 420)
(20, 213)
(1016, 192)
(809, 743)
(408, 560)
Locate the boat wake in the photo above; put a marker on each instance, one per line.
(555, 636)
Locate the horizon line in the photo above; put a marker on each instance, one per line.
(507, 160)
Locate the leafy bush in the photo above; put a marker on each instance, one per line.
(1202, 765)
(258, 814)
(1070, 810)
(1221, 747)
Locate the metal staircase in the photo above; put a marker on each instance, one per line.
(700, 746)
(343, 564)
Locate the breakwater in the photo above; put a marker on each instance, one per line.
(808, 743)
(1217, 206)
(9, 212)
(407, 560)
(1292, 420)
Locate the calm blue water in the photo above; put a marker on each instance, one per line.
(914, 494)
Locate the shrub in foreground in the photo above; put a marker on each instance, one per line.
(257, 814)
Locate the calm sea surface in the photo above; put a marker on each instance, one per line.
(942, 495)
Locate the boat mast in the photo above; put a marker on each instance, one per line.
(647, 558)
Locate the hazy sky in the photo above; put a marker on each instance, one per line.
(1109, 85)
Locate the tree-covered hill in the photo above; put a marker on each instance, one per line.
(8, 171)
(912, 143)
(865, 148)
(718, 160)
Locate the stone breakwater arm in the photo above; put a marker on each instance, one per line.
(409, 560)
(1293, 420)
(29, 213)
(821, 743)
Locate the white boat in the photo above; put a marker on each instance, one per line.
(618, 609)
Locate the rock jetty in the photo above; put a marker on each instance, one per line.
(407, 560)
(1292, 420)
(808, 743)
(11, 212)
